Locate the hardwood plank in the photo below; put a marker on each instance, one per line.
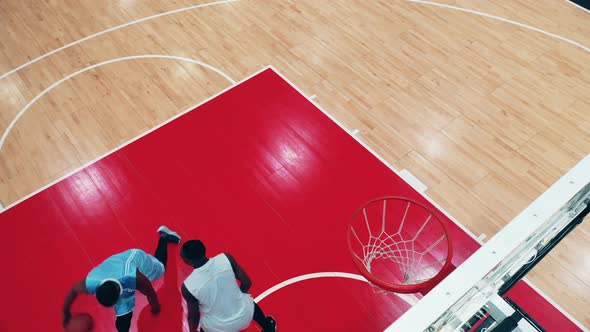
(500, 196)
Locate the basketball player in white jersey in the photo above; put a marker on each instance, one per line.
(115, 280)
(213, 296)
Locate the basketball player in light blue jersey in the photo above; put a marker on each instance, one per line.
(115, 280)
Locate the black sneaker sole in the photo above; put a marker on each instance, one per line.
(272, 320)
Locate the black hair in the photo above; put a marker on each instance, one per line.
(193, 250)
(107, 293)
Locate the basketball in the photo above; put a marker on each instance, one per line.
(80, 323)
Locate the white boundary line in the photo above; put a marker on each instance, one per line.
(110, 30)
(580, 7)
(54, 85)
(522, 25)
(423, 194)
(409, 299)
(132, 140)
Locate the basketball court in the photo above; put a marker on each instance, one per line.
(276, 190)
(394, 166)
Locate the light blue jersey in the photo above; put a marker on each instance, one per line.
(122, 269)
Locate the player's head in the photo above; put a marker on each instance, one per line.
(193, 251)
(108, 293)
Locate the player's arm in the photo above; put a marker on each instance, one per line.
(78, 288)
(144, 286)
(241, 275)
(192, 304)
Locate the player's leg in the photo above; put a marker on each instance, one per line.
(123, 323)
(161, 253)
(166, 236)
(267, 323)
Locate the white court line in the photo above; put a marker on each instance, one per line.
(354, 132)
(110, 30)
(448, 215)
(522, 25)
(580, 7)
(409, 299)
(313, 97)
(132, 140)
(54, 85)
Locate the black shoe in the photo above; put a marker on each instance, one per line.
(172, 235)
(272, 322)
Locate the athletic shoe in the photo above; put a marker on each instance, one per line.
(272, 322)
(172, 235)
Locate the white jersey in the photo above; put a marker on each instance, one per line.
(223, 306)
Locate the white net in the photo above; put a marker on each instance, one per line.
(398, 242)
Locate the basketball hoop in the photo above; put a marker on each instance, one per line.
(399, 245)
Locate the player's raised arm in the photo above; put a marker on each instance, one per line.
(78, 288)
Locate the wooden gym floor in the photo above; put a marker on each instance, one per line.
(484, 111)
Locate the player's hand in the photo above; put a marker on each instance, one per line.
(66, 317)
(155, 308)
